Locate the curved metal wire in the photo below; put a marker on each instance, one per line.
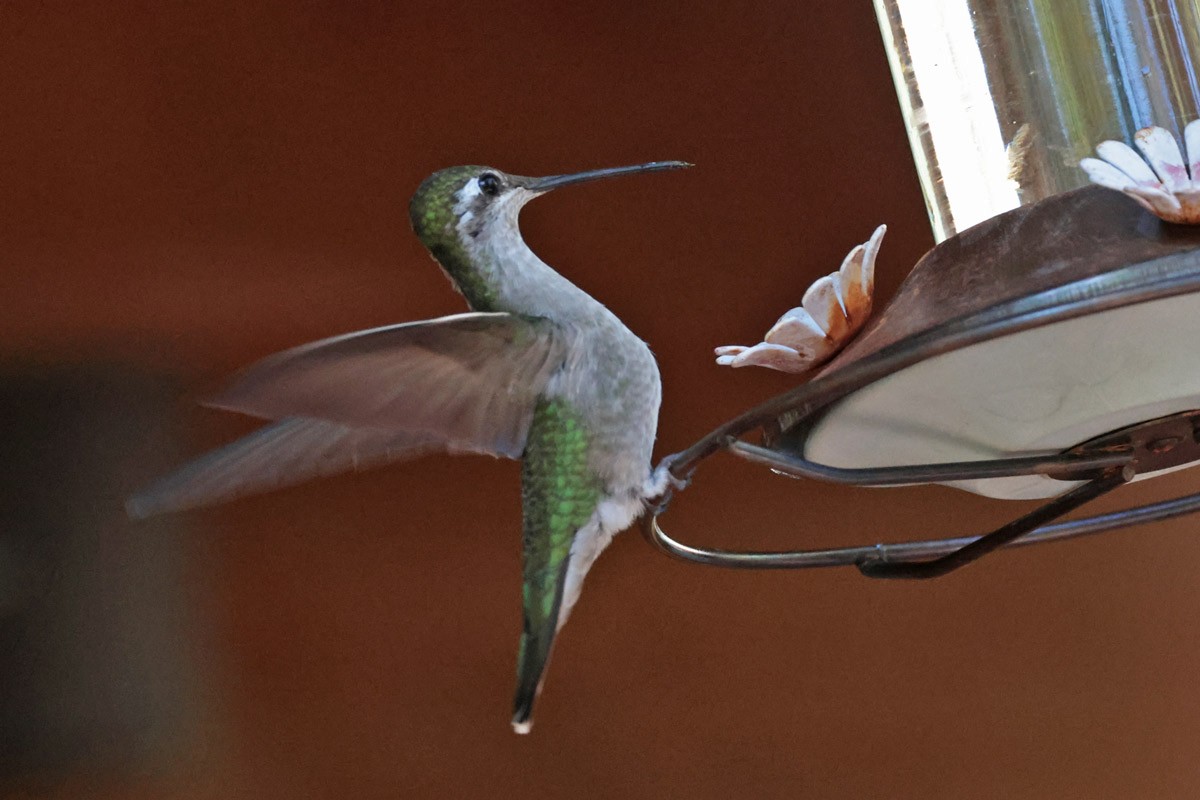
(1102, 464)
(907, 552)
(1061, 466)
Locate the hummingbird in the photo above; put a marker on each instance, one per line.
(538, 370)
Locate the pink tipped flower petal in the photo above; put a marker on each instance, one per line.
(1164, 183)
(821, 301)
(870, 253)
(772, 356)
(798, 323)
(1162, 151)
(833, 309)
(1106, 175)
(857, 279)
(1191, 140)
(1126, 159)
(798, 335)
(849, 275)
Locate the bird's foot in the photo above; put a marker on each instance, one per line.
(663, 479)
(662, 483)
(832, 311)
(1160, 179)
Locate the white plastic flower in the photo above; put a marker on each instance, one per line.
(832, 311)
(1163, 182)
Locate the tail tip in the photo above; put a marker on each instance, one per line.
(522, 726)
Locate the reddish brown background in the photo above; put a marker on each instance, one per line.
(186, 189)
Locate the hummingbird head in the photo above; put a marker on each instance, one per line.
(454, 206)
(455, 209)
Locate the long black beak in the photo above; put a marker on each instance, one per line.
(555, 181)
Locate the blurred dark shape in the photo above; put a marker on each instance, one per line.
(94, 669)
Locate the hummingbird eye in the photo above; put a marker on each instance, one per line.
(489, 184)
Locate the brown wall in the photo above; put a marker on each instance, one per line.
(186, 189)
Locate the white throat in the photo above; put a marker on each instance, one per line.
(524, 284)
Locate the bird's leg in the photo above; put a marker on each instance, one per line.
(663, 483)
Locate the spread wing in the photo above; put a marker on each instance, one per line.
(464, 383)
(278, 455)
(468, 380)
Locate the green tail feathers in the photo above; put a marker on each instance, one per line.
(536, 642)
(560, 494)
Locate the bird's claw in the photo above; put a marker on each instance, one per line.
(663, 483)
(1160, 179)
(832, 311)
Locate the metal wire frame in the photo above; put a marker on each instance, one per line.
(1138, 283)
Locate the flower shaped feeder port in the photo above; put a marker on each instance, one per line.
(1046, 353)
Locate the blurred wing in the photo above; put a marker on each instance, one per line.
(467, 382)
(283, 454)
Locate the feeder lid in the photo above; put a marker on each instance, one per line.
(1029, 333)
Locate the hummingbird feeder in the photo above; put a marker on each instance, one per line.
(1044, 348)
